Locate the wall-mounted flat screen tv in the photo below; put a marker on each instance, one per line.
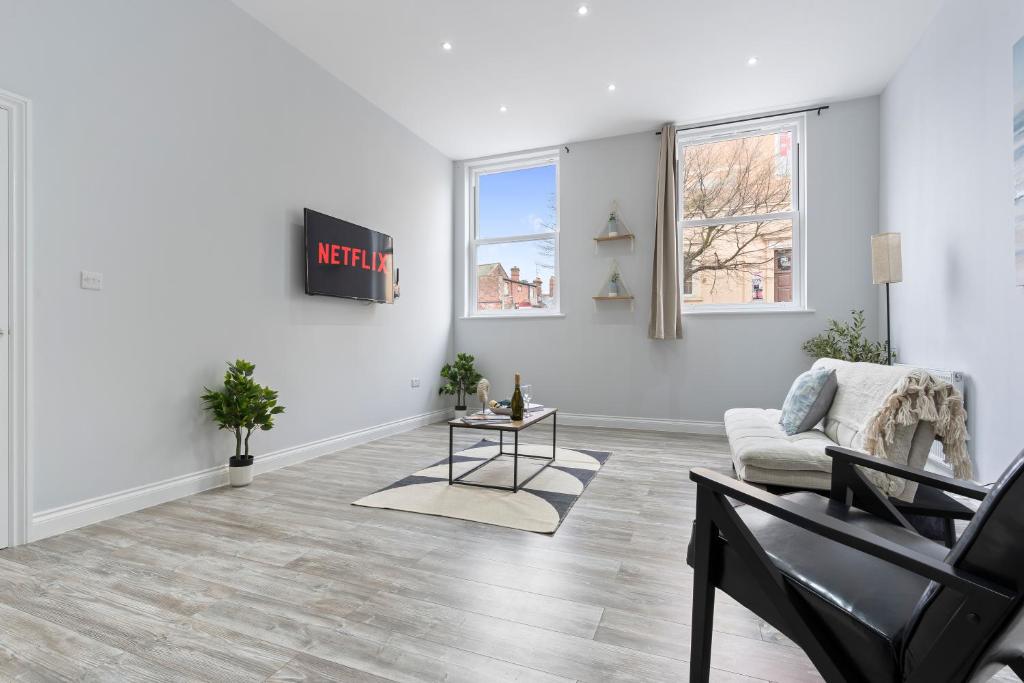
(347, 260)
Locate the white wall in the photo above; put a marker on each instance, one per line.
(947, 185)
(175, 146)
(599, 361)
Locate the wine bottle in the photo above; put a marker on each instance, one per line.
(517, 402)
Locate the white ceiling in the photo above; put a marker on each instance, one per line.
(671, 60)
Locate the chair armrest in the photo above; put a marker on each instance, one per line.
(846, 534)
(957, 486)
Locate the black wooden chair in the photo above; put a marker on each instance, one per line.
(848, 579)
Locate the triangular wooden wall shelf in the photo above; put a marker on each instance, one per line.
(614, 287)
(615, 229)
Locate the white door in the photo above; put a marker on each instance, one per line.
(5, 307)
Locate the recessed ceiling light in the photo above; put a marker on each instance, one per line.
(611, 87)
(503, 109)
(583, 10)
(446, 46)
(752, 61)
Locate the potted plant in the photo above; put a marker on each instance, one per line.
(242, 406)
(613, 225)
(847, 341)
(460, 378)
(613, 284)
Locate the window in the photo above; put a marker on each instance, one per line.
(740, 216)
(513, 237)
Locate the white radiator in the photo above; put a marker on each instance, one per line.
(936, 461)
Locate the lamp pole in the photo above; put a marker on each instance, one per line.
(888, 328)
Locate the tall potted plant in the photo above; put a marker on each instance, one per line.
(242, 406)
(460, 378)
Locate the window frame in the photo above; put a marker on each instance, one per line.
(501, 165)
(797, 126)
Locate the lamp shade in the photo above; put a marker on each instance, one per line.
(886, 258)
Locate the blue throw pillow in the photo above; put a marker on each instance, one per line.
(808, 400)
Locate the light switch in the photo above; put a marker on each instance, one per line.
(92, 280)
(414, 382)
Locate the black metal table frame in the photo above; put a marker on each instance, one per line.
(516, 485)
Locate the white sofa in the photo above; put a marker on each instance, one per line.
(763, 453)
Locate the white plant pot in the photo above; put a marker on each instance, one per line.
(613, 233)
(240, 475)
(460, 413)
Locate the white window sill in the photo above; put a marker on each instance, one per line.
(512, 316)
(738, 310)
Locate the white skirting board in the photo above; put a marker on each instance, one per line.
(76, 515)
(655, 424)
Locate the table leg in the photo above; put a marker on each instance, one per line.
(554, 432)
(515, 464)
(451, 438)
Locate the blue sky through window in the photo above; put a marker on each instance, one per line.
(515, 203)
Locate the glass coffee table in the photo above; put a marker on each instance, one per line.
(515, 427)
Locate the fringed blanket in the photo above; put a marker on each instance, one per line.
(919, 396)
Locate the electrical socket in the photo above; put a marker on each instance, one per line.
(91, 280)
(414, 382)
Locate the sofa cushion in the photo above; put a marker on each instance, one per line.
(757, 439)
(814, 480)
(863, 388)
(808, 400)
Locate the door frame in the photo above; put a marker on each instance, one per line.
(19, 331)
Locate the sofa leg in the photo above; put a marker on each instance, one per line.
(703, 593)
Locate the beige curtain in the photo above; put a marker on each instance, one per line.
(666, 314)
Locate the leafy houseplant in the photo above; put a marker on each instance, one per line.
(242, 406)
(846, 341)
(460, 378)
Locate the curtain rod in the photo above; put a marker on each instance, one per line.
(752, 118)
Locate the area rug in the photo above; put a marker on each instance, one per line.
(540, 506)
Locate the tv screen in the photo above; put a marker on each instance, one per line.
(347, 260)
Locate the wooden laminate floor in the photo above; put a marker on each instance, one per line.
(286, 581)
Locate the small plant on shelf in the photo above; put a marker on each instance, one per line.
(242, 407)
(461, 379)
(613, 284)
(846, 341)
(613, 225)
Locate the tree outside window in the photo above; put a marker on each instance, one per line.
(739, 215)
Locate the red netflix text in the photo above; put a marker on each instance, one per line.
(341, 255)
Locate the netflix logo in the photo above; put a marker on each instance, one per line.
(331, 254)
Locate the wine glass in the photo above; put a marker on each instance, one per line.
(527, 391)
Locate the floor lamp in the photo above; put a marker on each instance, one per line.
(886, 268)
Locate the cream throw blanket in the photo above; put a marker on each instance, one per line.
(921, 397)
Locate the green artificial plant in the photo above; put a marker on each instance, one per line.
(846, 341)
(460, 378)
(242, 406)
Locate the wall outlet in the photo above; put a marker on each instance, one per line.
(414, 382)
(91, 280)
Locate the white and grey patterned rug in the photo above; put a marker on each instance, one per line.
(540, 506)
